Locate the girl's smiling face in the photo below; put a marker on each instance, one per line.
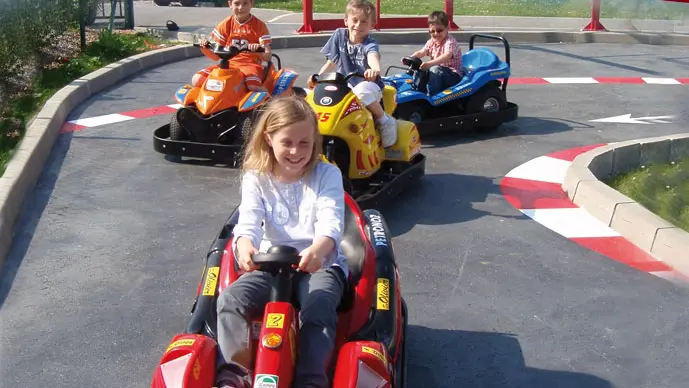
(292, 149)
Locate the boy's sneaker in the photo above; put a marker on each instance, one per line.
(388, 130)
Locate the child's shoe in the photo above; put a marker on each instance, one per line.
(388, 130)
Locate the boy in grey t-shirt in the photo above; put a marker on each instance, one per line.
(351, 49)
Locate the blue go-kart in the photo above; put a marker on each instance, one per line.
(478, 102)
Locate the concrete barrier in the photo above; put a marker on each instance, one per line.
(583, 185)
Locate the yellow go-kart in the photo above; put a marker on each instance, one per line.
(372, 174)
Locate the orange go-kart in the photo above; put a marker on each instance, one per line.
(216, 118)
(370, 349)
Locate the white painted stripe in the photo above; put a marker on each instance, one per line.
(570, 223)
(661, 81)
(102, 120)
(543, 169)
(175, 106)
(571, 80)
(279, 17)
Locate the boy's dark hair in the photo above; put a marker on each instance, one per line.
(438, 17)
(364, 6)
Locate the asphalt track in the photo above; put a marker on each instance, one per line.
(107, 257)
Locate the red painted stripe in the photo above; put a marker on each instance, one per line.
(527, 81)
(622, 250)
(572, 153)
(620, 80)
(71, 127)
(683, 80)
(148, 112)
(529, 194)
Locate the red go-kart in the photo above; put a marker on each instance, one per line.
(370, 345)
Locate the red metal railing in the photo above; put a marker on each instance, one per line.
(419, 22)
(312, 26)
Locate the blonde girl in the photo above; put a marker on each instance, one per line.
(289, 197)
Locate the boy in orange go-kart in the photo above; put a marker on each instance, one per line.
(242, 30)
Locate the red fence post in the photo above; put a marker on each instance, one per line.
(450, 11)
(595, 24)
(307, 17)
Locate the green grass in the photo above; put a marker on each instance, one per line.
(649, 9)
(110, 47)
(662, 189)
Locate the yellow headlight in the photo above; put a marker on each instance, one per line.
(272, 340)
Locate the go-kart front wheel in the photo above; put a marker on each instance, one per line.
(488, 99)
(177, 133)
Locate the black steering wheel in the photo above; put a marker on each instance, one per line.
(413, 62)
(278, 258)
(335, 77)
(228, 52)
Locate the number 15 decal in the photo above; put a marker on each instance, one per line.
(323, 117)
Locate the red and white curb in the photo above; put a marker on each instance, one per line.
(535, 189)
(91, 122)
(99, 121)
(598, 80)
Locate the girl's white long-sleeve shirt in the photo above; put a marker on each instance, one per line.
(294, 214)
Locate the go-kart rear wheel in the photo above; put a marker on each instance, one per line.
(176, 131)
(415, 111)
(488, 99)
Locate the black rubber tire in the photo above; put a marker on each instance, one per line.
(476, 103)
(162, 3)
(176, 131)
(246, 125)
(188, 3)
(415, 111)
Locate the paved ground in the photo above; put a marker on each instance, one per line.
(107, 257)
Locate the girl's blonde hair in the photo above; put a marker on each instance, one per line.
(279, 113)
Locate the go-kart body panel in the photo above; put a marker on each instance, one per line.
(223, 89)
(361, 338)
(480, 66)
(252, 101)
(228, 97)
(477, 102)
(188, 362)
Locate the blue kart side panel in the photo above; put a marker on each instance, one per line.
(480, 66)
(283, 83)
(253, 100)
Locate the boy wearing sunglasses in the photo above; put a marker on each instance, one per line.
(445, 67)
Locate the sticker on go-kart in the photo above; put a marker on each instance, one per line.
(383, 294)
(326, 100)
(253, 100)
(374, 352)
(284, 82)
(178, 343)
(181, 93)
(323, 117)
(275, 321)
(378, 231)
(266, 381)
(211, 281)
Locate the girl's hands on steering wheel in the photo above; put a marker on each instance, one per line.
(310, 261)
(245, 249)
